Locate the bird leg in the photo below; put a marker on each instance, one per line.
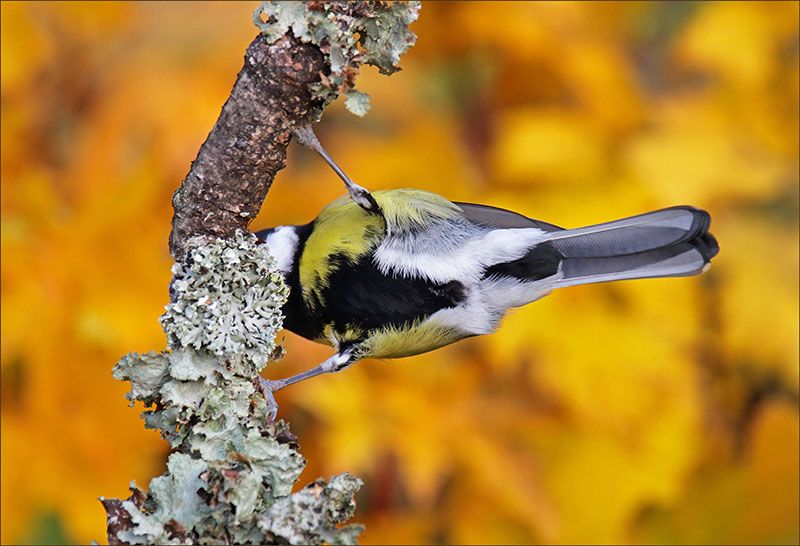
(361, 195)
(337, 362)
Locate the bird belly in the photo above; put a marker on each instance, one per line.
(473, 316)
(408, 340)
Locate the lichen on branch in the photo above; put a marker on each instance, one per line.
(349, 34)
(233, 313)
(229, 478)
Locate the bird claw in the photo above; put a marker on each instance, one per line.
(363, 198)
(267, 387)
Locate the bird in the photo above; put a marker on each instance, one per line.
(401, 272)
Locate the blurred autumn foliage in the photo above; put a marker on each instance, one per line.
(649, 411)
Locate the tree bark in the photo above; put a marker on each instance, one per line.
(235, 167)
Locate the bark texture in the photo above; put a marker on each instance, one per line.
(235, 167)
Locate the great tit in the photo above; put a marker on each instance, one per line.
(401, 272)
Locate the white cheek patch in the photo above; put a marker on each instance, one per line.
(282, 245)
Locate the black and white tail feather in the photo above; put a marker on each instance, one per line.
(671, 242)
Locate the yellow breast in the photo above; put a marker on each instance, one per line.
(415, 339)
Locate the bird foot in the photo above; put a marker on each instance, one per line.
(267, 388)
(363, 198)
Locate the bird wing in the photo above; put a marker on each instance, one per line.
(432, 238)
(497, 218)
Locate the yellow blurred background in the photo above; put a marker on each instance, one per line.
(640, 412)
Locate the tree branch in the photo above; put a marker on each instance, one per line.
(235, 167)
(307, 55)
(231, 471)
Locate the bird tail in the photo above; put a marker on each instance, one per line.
(671, 242)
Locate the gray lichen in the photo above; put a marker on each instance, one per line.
(229, 299)
(374, 33)
(292, 516)
(229, 478)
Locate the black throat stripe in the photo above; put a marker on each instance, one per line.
(359, 296)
